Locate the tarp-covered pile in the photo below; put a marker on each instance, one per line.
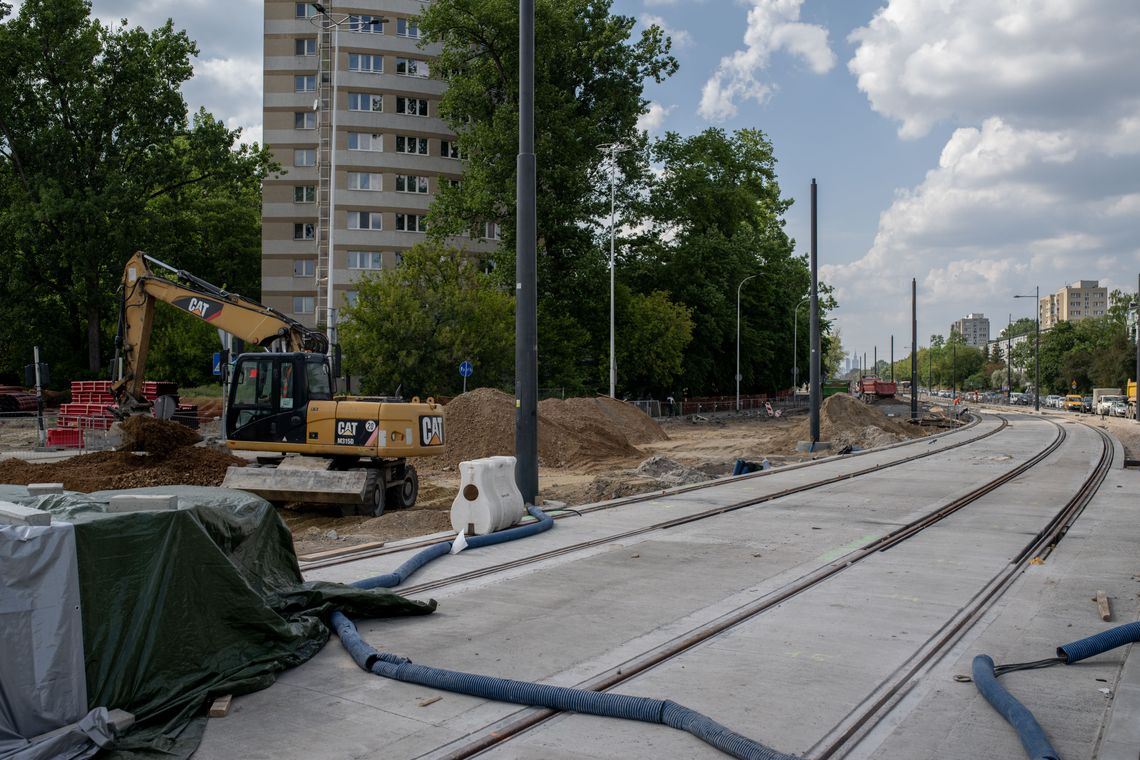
(154, 613)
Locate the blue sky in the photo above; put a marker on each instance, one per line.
(982, 146)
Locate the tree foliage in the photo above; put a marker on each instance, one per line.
(412, 326)
(99, 158)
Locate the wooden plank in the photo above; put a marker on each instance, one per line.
(220, 707)
(327, 553)
(1102, 605)
(425, 701)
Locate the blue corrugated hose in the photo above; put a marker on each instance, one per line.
(1032, 736)
(533, 694)
(1100, 643)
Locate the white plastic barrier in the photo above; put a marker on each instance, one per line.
(488, 499)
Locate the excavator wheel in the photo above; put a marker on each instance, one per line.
(403, 494)
(377, 500)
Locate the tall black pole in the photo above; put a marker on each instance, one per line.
(1037, 358)
(914, 349)
(1137, 351)
(816, 396)
(1009, 359)
(875, 363)
(526, 284)
(892, 358)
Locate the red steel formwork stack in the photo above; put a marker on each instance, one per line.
(90, 409)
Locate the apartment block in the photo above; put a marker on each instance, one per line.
(351, 113)
(1072, 303)
(974, 329)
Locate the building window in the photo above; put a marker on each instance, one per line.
(365, 260)
(304, 193)
(399, 259)
(406, 183)
(449, 149)
(363, 101)
(364, 62)
(304, 231)
(454, 183)
(304, 267)
(406, 144)
(405, 27)
(491, 231)
(365, 141)
(367, 24)
(304, 304)
(411, 223)
(305, 83)
(365, 220)
(411, 67)
(350, 298)
(305, 46)
(304, 10)
(411, 106)
(364, 181)
(304, 120)
(305, 157)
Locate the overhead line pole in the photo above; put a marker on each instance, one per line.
(914, 349)
(815, 395)
(526, 279)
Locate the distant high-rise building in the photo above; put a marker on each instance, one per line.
(1072, 303)
(974, 329)
(351, 114)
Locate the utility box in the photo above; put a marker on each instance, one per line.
(489, 499)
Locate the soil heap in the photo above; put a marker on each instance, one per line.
(846, 421)
(171, 458)
(481, 423)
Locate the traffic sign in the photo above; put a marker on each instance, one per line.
(217, 363)
(465, 369)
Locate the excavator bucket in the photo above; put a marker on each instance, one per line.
(309, 480)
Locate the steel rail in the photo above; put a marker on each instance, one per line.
(674, 492)
(497, 733)
(880, 702)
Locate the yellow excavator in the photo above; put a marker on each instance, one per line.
(312, 445)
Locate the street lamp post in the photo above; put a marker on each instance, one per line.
(613, 149)
(738, 287)
(796, 344)
(1036, 350)
(1009, 361)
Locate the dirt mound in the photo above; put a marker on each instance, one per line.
(104, 470)
(846, 421)
(481, 423)
(155, 436)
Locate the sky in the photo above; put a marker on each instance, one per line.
(983, 147)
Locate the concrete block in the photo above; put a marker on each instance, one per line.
(142, 502)
(14, 514)
(44, 489)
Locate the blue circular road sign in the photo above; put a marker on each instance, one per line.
(465, 369)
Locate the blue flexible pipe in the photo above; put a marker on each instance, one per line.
(1100, 643)
(404, 571)
(1032, 736)
(534, 694)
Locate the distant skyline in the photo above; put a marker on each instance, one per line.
(986, 147)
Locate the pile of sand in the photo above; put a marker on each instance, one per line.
(846, 421)
(106, 470)
(481, 423)
(155, 436)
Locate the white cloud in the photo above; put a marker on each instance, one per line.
(653, 120)
(680, 37)
(1040, 183)
(1048, 62)
(773, 26)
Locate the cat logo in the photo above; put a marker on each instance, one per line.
(431, 431)
(199, 307)
(346, 432)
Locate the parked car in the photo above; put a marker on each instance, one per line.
(1086, 404)
(1073, 403)
(1118, 409)
(1104, 406)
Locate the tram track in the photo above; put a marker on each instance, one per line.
(618, 503)
(880, 700)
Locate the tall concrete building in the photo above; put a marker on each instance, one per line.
(974, 329)
(1072, 303)
(352, 115)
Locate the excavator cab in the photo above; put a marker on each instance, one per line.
(270, 395)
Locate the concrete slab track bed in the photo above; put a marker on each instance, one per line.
(777, 605)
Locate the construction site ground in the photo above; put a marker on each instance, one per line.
(590, 450)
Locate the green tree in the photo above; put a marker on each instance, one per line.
(1021, 326)
(412, 326)
(95, 145)
(655, 333)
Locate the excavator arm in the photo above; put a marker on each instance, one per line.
(241, 317)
